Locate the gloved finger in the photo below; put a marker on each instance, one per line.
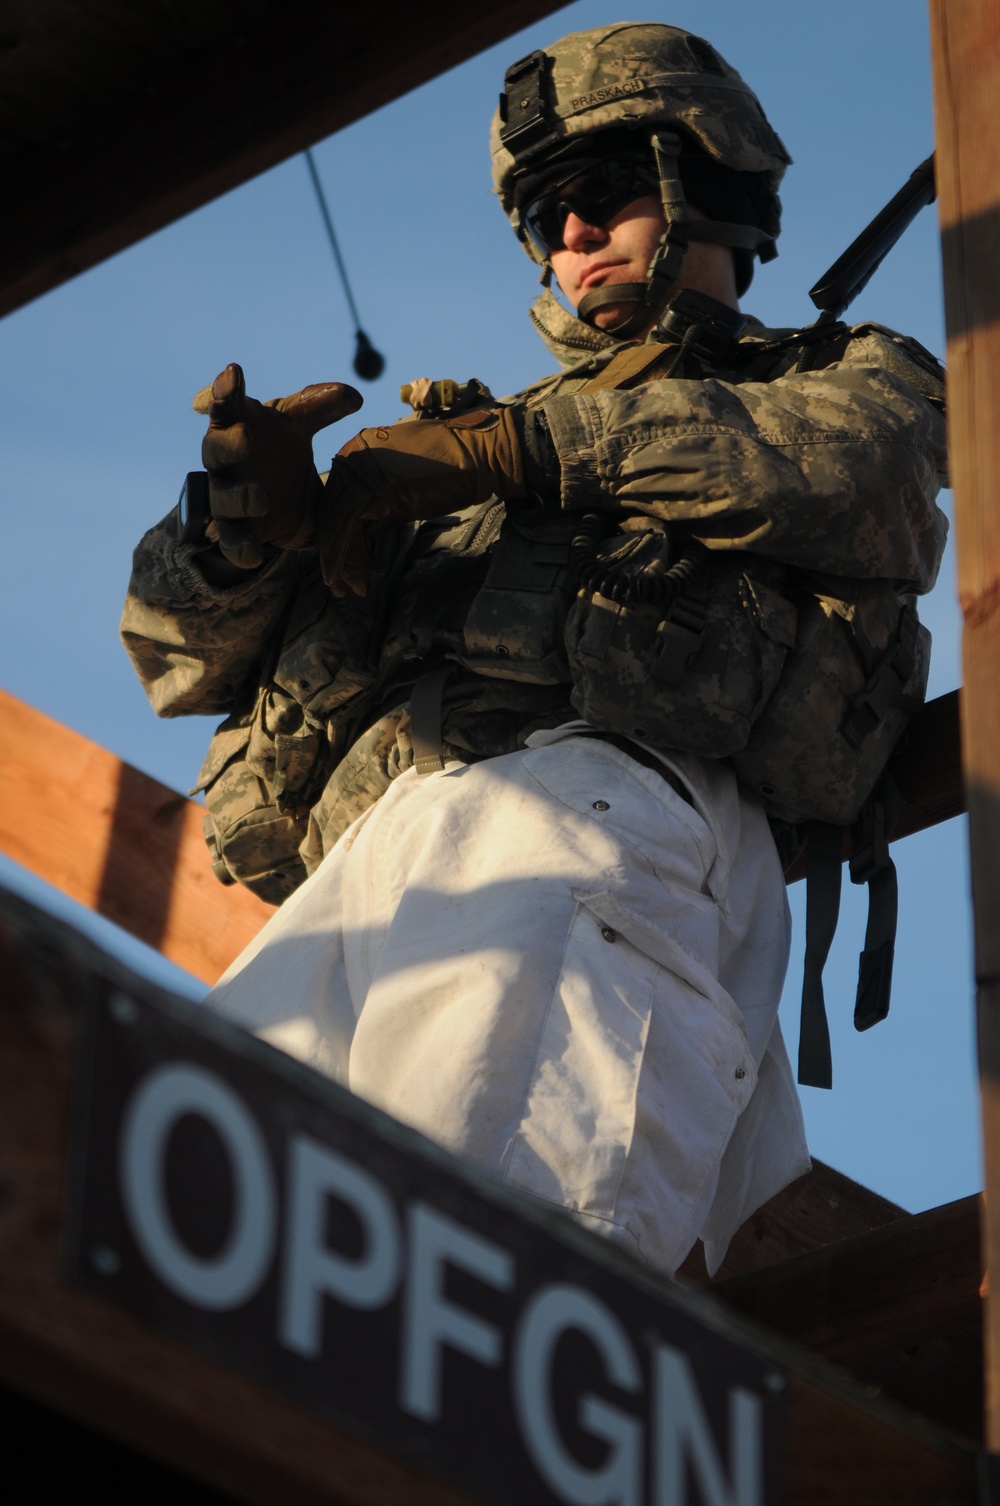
(236, 499)
(238, 544)
(229, 398)
(318, 405)
(223, 448)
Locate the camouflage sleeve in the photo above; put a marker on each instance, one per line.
(194, 645)
(833, 470)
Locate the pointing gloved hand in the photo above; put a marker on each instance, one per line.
(414, 471)
(263, 487)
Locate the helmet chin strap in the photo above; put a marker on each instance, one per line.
(651, 297)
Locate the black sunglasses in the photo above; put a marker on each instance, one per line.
(595, 194)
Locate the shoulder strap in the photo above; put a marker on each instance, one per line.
(634, 364)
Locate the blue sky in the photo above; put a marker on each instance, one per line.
(96, 381)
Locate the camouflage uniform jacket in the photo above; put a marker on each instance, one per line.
(820, 453)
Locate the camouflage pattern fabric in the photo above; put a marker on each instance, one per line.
(695, 679)
(858, 673)
(832, 468)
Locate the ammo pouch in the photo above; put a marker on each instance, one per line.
(261, 773)
(695, 678)
(858, 671)
(514, 629)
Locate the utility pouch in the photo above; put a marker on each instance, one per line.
(694, 678)
(514, 629)
(259, 777)
(858, 672)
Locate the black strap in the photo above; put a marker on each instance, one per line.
(871, 864)
(824, 856)
(875, 964)
(426, 701)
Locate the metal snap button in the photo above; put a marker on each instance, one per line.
(601, 805)
(741, 1072)
(609, 934)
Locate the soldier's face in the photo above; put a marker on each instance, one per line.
(595, 256)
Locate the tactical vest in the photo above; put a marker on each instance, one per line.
(803, 682)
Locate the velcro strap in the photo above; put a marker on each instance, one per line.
(674, 649)
(884, 690)
(824, 855)
(630, 366)
(426, 701)
(882, 694)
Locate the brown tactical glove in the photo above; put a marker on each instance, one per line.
(263, 487)
(413, 471)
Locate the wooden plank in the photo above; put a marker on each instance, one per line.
(927, 767)
(899, 1306)
(138, 856)
(934, 1369)
(117, 841)
(206, 117)
(819, 1209)
(965, 38)
(72, 1352)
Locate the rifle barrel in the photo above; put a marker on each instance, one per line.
(851, 272)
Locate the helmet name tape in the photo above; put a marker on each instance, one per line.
(604, 96)
(652, 83)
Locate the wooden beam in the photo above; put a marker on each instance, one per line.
(216, 113)
(822, 1208)
(927, 767)
(118, 842)
(965, 39)
(138, 856)
(72, 1352)
(871, 1302)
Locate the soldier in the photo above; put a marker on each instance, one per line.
(490, 684)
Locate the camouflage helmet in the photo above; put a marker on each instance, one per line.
(644, 78)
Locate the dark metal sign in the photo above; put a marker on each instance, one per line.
(255, 1210)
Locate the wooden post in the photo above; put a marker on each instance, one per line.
(966, 55)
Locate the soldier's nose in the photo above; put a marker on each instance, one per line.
(578, 235)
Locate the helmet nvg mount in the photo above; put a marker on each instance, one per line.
(683, 104)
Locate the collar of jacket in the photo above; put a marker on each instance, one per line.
(572, 342)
